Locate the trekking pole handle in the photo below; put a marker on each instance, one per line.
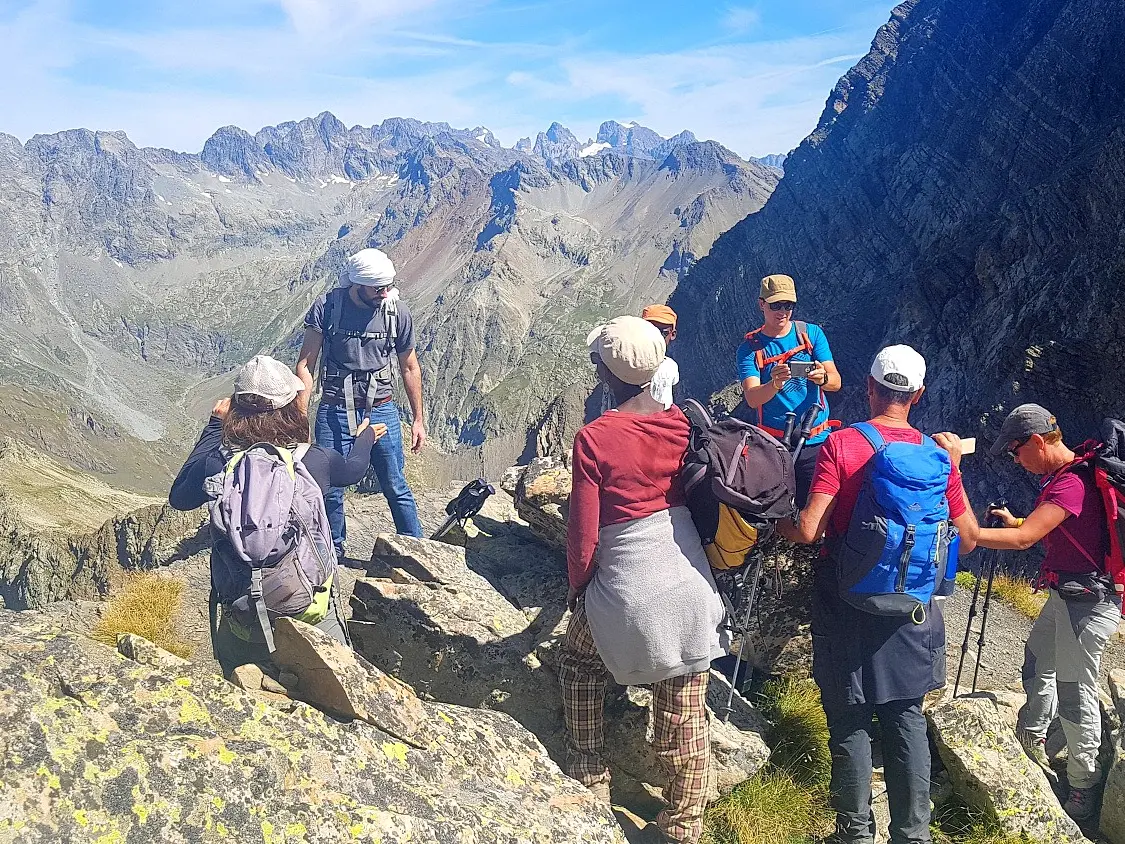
(790, 422)
(808, 420)
(989, 519)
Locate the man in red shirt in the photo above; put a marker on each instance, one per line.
(866, 664)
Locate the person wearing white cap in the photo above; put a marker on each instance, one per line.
(645, 607)
(356, 332)
(265, 407)
(867, 664)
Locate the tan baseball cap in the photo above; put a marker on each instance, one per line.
(630, 347)
(778, 288)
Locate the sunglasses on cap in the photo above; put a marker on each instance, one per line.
(782, 306)
(1012, 451)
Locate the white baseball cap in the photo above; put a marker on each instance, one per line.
(630, 347)
(270, 379)
(371, 268)
(899, 360)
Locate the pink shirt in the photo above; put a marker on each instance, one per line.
(1077, 494)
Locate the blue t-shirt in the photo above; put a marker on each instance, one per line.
(798, 394)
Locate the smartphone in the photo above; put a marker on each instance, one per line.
(968, 445)
(801, 368)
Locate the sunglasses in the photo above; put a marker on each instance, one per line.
(1012, 451)
(782, 306)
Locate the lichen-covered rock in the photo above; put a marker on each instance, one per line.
(99, 748)
(333, 678)
(1113, 799)
(430, 620)
(991, 772)
(542, 496)
(139, 649)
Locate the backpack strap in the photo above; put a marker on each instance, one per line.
(871, 434)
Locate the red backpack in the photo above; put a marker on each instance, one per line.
(1105, 460)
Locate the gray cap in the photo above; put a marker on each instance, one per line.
(1025, 420)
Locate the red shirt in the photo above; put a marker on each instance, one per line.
(1076, 493)
(840, 470)
(626, 466)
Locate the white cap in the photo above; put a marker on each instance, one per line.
(269, 379)
(371, 268)
(630, 347)
(901, 360)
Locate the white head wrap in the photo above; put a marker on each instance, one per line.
(372, 268)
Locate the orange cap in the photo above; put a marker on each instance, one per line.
(659, 313)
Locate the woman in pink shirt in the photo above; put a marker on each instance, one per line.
(1062, 658)
(645, 607)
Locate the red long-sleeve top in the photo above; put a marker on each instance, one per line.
(625, 466)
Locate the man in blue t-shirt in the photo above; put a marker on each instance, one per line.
(765, 370)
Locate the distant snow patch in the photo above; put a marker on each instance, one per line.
(592, 149)
(223, 179)
(228, 190)
(119, 264)
(162, 199)
(294, 181)
(206, 194)
(482, 138)
(632, 124)
(338, 180)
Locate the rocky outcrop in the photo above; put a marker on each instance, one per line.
(1113, 799)
(963, 192)
(462, 627)
(542, 495)
(991, 772)
(99, 748)
(38, 567)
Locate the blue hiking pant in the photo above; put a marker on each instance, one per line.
(387, 459)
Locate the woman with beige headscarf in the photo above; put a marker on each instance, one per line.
(645, 607)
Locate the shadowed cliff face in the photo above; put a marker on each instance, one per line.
(964, 192)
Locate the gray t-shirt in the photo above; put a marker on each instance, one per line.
(360, 344)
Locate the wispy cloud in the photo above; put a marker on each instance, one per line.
(173, 77)
(741, 19)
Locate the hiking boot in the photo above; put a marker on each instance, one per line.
(1035, 748)
(1081, 805)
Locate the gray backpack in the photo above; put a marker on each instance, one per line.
(273, 553)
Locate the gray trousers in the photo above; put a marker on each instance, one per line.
(1062, 662)
(906, 761)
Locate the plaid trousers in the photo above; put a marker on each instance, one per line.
(682, 739)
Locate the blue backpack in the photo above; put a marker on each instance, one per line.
(899, 544)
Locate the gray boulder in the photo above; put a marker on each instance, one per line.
(425, 616)
(991, 773)
(99, 748)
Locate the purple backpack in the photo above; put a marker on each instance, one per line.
(273, 553)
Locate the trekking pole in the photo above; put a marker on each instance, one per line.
(989, 522)
(745, 625)
(790, 421)
(984, 614)
(807, 422)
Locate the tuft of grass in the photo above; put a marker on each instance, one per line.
(769, 808)
(798, 733)
(787, 803)
(147, 605)
(956, 823)
(1014, 591)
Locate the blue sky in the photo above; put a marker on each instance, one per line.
(751, 75)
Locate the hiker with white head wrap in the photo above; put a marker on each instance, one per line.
(363, 327)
